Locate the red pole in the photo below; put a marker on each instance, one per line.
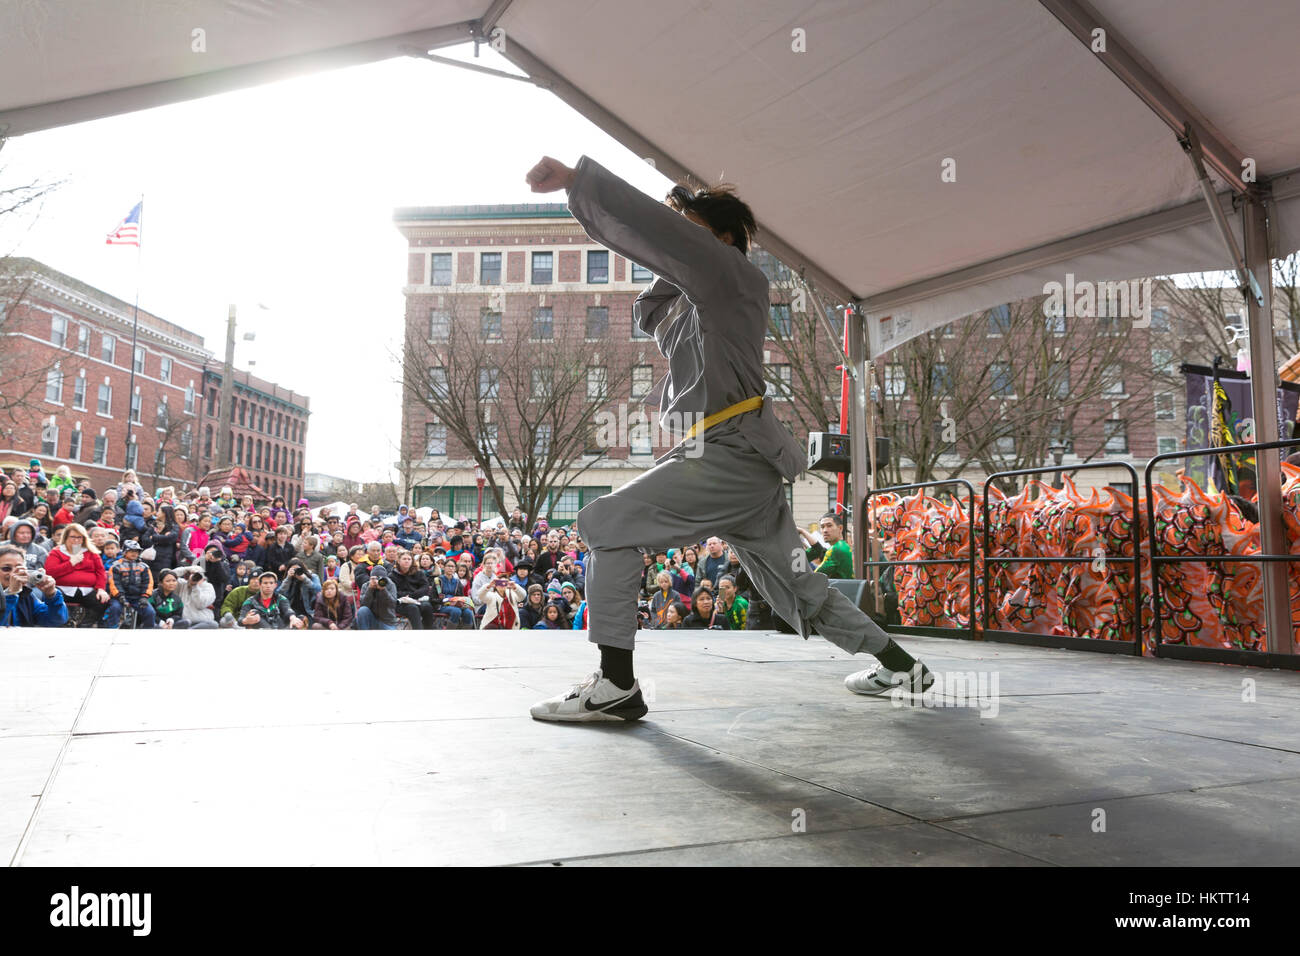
(845, 393)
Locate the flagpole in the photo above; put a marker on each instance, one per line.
(135, 329)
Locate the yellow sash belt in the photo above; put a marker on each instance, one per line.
(731, 411)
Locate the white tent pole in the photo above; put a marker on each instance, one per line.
(859, 383)
(1263, 393)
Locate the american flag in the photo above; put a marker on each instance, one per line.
(128, 233)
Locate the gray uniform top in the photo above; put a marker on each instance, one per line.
(707, 309)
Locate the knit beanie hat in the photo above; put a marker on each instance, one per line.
(554, 588)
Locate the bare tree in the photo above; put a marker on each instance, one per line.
(519, 394)
(175, 441)
(999, 388)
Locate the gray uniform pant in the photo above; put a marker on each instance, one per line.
(729, 491)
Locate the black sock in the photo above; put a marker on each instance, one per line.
(895, 658)
(616, 665)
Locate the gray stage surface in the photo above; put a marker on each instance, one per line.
(413, 748)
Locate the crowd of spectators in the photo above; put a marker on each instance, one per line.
(71, 554)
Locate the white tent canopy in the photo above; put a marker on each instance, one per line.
(838, 147)
(835, 118)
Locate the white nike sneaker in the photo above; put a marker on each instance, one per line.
(594, 699)
(876, 680)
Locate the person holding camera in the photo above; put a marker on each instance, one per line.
(31, 597)
(197, 595)
(268, 610)
(378, 610)
(300, 588)
(24, 535)
(501, 598)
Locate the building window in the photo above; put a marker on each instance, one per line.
(490, 326)
(642, 380)
(279, 423)
(769, 265)
(439, 325)
(637, 333)
(487, 439)
(1165, 407)
(489, 268)
(1058, 380)
(187, 442)
(165, 370)
(1159, 320)
(488, 384)
(940, 381)
(641, 273)
(239, 450)
(1055, 322)
(1116, 436)
(207, 442)
(74, 445)
(541, 382)
(1110, 326)
(1162, 360)
(50, 439)
(780, 373)
(275, 458)
(54, 387)
(779, 326)
(597, 267)
(640, 440)
(257, 457)
(438, 388)
(83, 339)
(135, 409)
(1166, 446)
(440, 269)
(105, 400)
(189, 400)
(596, 380)
(1112, 381)
(1000, 320)
(1003, 387)
(132, 455)
(597, 322)
(59, 331)
(434, 440)
(108, 349)
(542, 440)
(100, 454)
(139, 360)
(543, 268)
(543, 324)
(1006, 446)
(162, 414)
(895, 380)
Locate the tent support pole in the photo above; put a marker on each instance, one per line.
(1263, 393)
(1245, 278)
(858, 383)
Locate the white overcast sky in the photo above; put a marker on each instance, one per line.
(283, 195)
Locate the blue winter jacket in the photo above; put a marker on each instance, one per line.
(25, 609)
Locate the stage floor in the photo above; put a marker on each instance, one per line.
(220, 748)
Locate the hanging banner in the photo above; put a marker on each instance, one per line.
(1229, 420)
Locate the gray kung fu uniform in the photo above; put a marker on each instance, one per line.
(708, 312)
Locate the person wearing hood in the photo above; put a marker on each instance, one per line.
(63, 479)
(133, 522)
(26, 537)
(378, 610)
(352, 536)
(534, 609)
(197, 595)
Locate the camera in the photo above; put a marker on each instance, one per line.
(36, 577)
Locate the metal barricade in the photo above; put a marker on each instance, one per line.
(1214, 654)
(969, 560)
(1054, 640)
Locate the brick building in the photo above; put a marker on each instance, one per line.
(267, 431)
(66, 389)
(531, 266)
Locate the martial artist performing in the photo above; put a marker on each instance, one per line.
(708, 312)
